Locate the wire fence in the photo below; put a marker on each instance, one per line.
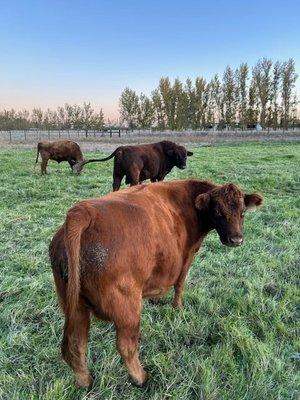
(15, 136)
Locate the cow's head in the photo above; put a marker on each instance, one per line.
(225, 207)
(178, 154)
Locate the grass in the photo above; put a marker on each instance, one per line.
(235, 338)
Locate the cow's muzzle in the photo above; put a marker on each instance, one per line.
(231, 241)
(234, 241)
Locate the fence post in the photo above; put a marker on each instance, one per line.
(110, 133)
(25, 136)
(9, 136)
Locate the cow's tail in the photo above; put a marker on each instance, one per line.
(77, 221)
(101, 159)
(37, 154)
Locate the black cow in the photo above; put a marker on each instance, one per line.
(140, 162)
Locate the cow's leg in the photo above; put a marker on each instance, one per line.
(179, 286)
(128, 327)
(44, 164)
(127, 344)
(134, 175)
(74, 345)
(161, 178)
(72, 163)
(117, 179)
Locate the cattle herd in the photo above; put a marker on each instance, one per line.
(113, 251)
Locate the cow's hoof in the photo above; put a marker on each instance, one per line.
(84, 381)
(142, 381)
(177, 305)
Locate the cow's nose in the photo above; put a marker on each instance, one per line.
(236, 241)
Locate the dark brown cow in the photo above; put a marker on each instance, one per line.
(113, 251)
(146, 161)
(60, 150)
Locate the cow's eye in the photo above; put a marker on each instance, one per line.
(218, 213)
(242, 214)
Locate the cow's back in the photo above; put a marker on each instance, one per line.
(137, 234)
(134, 222)
(62, 149)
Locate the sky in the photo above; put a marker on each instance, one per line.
(53, 52)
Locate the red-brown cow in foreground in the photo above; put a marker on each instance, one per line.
(60, 150)
(144, 161)
(113, 251)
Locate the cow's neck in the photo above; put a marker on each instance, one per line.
(197, 224)
(168, 165)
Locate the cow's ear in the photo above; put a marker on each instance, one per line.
(252, 201)
(202, 201)
(189, 153)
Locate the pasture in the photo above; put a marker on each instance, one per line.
(236, 337)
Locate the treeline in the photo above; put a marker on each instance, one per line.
(68, 117)
(242, 97)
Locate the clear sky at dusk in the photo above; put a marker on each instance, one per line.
(54, 52)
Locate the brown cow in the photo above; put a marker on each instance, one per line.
(60, 150)
(146, 161)
(113, 251)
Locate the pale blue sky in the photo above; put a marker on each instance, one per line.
(54, 52)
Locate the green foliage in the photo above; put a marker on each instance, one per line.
(236, 336)
(145, 112)
(288, 81)
(129, 107)
(268, 98)
(262, 80)
(64, 118)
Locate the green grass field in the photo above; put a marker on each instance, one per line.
(236, 337)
